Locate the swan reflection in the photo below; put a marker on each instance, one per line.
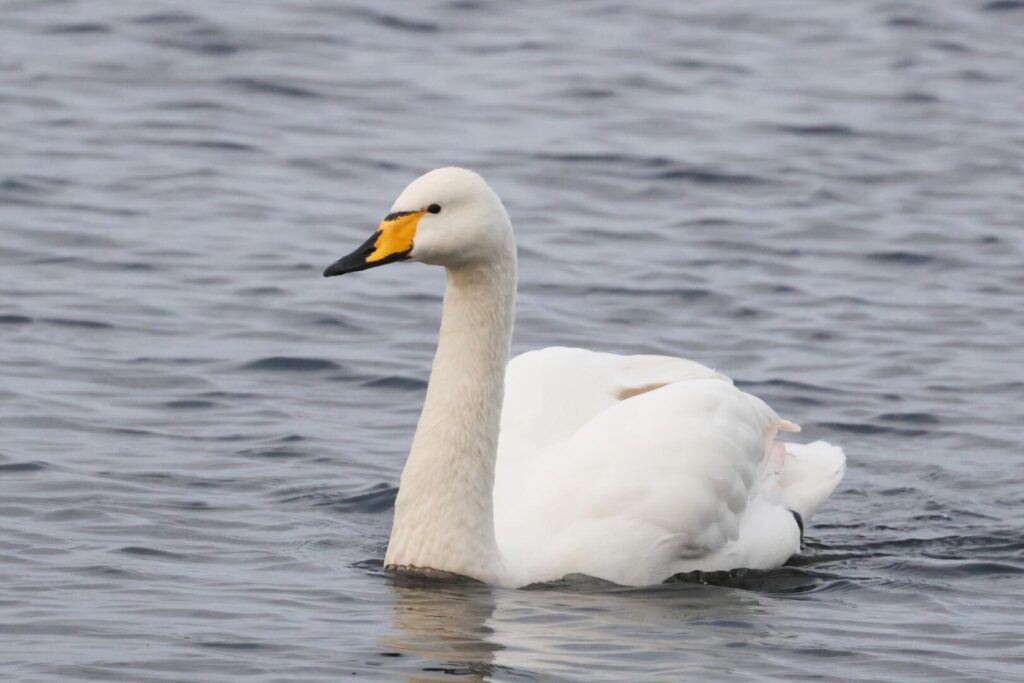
(480, 633)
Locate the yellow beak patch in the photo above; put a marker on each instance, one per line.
(396, 233)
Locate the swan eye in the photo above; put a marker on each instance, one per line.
(434, 208)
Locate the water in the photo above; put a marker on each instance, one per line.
(201, 436)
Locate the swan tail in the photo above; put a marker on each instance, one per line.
(810, 473)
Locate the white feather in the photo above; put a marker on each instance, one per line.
(596, 477)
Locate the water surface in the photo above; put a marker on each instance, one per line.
(201, 437)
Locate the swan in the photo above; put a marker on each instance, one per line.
(567, 461)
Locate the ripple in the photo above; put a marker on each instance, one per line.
(378, 498)
(108, 571)
(399, 23)
(32, 185)
(151, 553)
(75, 322)
(657, 168)
(910, 418)
(1003, 6)
(908, 22)
(690, 294)
(871, 429)
(79, 28)
(217, 145)
(23, 467)
(267, 86)
(820, 130)
(190, 404)
(234, 645)
(291, 364)
(189, 32)
(707, 176)
(951, 569)
(395, 382)
(170, 17)
(905, 258)
(276, 453)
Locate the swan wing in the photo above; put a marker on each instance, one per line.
(550, 393)
(683, 476)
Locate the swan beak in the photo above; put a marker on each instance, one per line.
(392, 242)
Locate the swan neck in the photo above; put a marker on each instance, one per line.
(444, 516)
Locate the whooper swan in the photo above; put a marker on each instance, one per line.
(626, 468)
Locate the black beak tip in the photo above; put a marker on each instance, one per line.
(353, 263)
(348, 264)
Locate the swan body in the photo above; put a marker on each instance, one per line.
(626, 468)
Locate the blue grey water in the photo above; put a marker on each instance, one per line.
(200, 437)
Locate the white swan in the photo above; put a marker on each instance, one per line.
(626, 468)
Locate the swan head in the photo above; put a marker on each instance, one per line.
(448, 217)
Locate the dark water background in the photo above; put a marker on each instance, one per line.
(200, 437)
